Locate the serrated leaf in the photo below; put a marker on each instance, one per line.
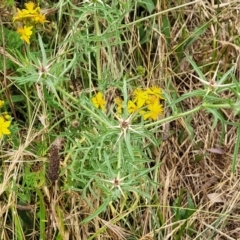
(148, 5)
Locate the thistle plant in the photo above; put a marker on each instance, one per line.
(107, 82)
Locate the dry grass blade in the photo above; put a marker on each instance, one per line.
(116, 232)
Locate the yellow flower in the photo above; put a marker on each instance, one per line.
(29, 12)
(132, 107)
(140, 97)
(155, 110)
(99, 101)
(20, 16)
(155, 91)
(26, 33)
(30, 8)
(152, 99)
(39, 18)
(1, 103)
(4, 125)
(119, 105)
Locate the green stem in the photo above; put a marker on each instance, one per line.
(29, 112)
(18, 230)
(171, 118)
(98, 61)
(119, 163)
(223, 105)
(236, 150)
(42, 215)
(196, 109)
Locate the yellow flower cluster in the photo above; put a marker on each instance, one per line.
(99, 101)
(4, 122)
(146, 102)
(29, 16)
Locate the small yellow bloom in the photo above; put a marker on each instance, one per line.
(4, 125)
(155, 110)
(99, 101)
(140, 97)
(20, 16)
(39, 18)
(132, 107)
(152, 99)
(28, 13)
(1, 103)
(156, 91)
(119, 106)
(30, 8)
(26, 33)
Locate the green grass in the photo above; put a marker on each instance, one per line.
(72, 171)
